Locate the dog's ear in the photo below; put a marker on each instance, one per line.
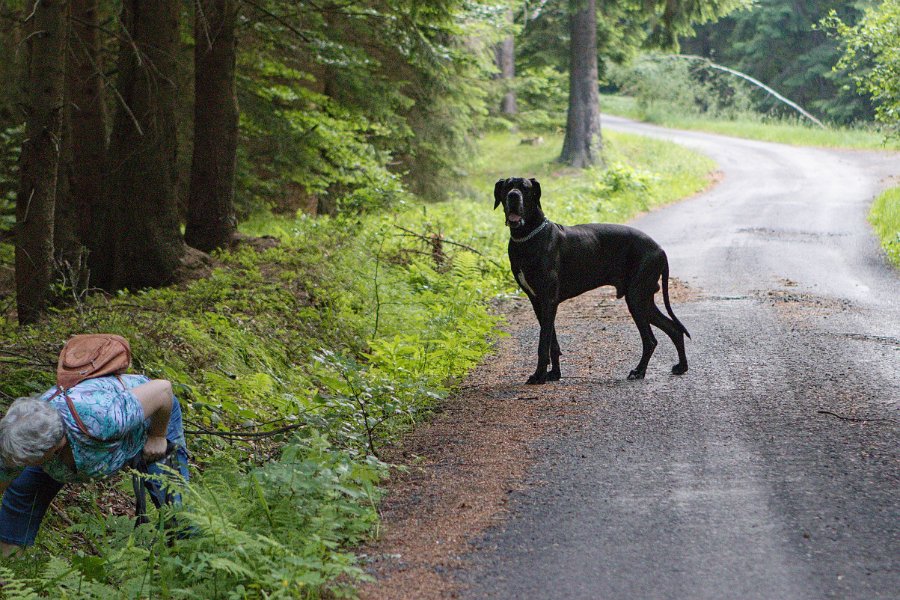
(536, 191)
(498, 192)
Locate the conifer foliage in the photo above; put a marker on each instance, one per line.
(146, 118)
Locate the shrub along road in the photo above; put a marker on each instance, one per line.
(770, 470)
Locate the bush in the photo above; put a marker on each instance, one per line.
(667, 84)
(542, 96)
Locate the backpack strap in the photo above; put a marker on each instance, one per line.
(81, 426)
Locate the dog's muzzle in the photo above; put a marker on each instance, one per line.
(514, 218)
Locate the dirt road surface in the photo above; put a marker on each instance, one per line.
(770, 470)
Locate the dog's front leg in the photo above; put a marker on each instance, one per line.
(546, 313)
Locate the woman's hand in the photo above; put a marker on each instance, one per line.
(155, 448)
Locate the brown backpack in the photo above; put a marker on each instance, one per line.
(88, 356)
(92, 355)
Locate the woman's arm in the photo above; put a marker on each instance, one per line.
(156, 400)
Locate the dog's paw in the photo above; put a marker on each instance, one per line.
(554, 376)
(679, 369)
(635, 374)
(537, 379)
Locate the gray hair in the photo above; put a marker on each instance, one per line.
(29, 430)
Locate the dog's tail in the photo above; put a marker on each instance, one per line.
(665, 291)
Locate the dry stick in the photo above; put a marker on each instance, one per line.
(199, 8)
(755, 82)
(68, 520)
(31, 360)
(377, 288)
(853, 419)
(445, 241)
(107, 82)
(237, 435)
(281, 20)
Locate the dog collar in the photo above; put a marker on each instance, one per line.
(537, 230)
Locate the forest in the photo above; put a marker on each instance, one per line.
(285, 207)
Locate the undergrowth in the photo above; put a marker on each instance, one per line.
(342, 333)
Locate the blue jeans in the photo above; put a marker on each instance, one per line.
(28, 496)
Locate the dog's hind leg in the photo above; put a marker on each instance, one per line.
(641, 308)
(675, 334)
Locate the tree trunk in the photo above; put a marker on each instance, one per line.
(583, 142)
(506, 63)
(11, 69)
(87, 119)
(211, 221)
(36, 197)
(66, 245)
(138, 238)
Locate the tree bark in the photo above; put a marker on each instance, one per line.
(506, 63)
(66, 245)
(582, 144)
(86, 122)
(44, 81)
(211, 221)
(11, 69)
(137, 228)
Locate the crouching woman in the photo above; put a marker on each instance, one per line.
(45, 444)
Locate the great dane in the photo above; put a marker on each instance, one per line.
(553, 263)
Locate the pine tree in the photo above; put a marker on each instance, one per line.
(210, 219)
(136, 232)
(35, 204)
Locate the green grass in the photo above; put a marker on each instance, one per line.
(885, 218)
(637, 174)
(754, 127)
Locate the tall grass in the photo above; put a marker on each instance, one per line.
(636, 174)
(752, 126)
(885, 218)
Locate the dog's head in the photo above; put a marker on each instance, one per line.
(521, 200)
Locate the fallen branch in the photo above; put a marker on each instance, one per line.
(755, 82)
(28, 360)
(428, 239)
(240, 435)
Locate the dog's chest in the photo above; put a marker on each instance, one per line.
(523, 281)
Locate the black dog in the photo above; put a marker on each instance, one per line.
(554, 262)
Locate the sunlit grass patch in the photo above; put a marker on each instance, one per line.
(637, 174)
(755, 127)
(885, 218)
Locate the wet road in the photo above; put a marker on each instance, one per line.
(770, 470)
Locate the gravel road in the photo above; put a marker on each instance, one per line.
(771, 470)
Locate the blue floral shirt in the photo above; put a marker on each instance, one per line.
(110, 412)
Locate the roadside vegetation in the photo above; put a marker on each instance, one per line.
(885, 218)
(749, 125)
